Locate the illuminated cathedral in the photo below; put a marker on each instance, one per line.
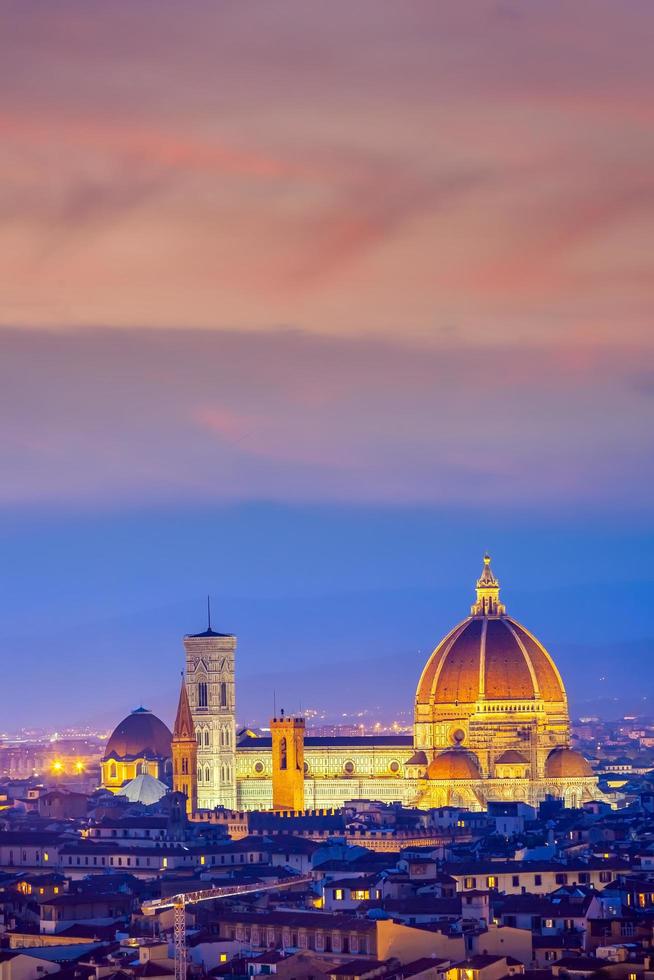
(491, 723)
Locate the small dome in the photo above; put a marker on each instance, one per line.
(512, 758)
(562, 763)
(454, 764)
(144, 789)
(140, 734)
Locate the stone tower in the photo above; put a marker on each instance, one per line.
(212, 697)
(287, 763)
(185, 753)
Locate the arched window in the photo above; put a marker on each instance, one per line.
(206, 774)
(185, 766)
(206, 736)
(223, 694)
(203, 695)
(199, 774)
(198, 736)
(113, 771)
(282, 753)
(222, 736)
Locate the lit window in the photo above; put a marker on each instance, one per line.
(164, 862)
(46, 856)
(549, 923)
(338, 894)
(469, 882)
(491, 881)
(223, 957)
(361, 895)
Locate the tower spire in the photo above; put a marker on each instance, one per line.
(488, 593)
(184, 727)
(209, 613)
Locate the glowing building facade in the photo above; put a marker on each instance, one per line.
(491, 723)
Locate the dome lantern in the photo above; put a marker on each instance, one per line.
(488, 593)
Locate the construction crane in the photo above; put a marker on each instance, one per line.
(179, 902)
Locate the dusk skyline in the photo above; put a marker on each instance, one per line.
(307, 307)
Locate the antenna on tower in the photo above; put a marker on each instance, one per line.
(274, 703)
(208, 612)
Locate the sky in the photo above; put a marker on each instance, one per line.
(305, 306)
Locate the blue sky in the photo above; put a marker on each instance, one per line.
(334, 607)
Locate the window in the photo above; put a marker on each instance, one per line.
(394, 767)
(561, 879)
(338, 894)
(113, 771)
(185, 766)
(223, 694)
(360, 894)
(538, 879)
(199, 775)
(348, 768)
(258, 767)
(469, 882)
(605, 876)
(549, 923)
(206, 774)
(584, 877)
(282, 754)
(491, 881)
(515, 880)
(203, 696)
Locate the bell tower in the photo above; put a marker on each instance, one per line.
(287, 762)
(185, 753)
(212, 698)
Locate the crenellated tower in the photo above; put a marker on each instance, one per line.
(210, 684)
(185, 753)
(287, 763)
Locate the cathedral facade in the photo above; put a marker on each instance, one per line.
(491, 723)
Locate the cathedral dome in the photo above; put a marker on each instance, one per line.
(453, 764)
(489, 656)
(562, 763)
(141, 734)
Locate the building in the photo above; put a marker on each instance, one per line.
(491, 724)
(185, 753)
(139, 745)
(212, 699)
